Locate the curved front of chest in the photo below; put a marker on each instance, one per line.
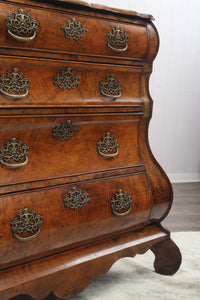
(51, 220)
(79, 186)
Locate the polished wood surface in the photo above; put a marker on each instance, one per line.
(184, 216)
(50, 37)
(43, 91)
(77, 244)
(63, 227)
(167, 257)
(51, 158)
(39, 278)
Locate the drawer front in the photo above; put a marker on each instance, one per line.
(43, 222)
(49, 31)
(45, 147)
(43, 83)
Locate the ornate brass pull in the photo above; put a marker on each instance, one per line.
(14, 165)
(107, 146)
(74, 30)
(22, 23)
(27, 225)
(20, 38)
(118, 38)
(121, 203)
(68, 79)
(65, 131)
(14, 83)
(76, 199)
(111, 87)
(14, 152)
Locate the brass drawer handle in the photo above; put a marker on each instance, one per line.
(76, 199)
(21, 38)
(27, 225)
(22, 23)
(14, 83)
(65, 131)
(121, 203)
(14, 152)
(14, 165)
(74, 30)
(111, 87)
(68, 79)
(107, 146)
(118, 38)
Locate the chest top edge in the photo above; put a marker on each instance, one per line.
(86, 7)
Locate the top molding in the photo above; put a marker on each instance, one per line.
(109, 9)
(85, 6)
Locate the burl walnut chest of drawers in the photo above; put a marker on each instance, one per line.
(79, 185)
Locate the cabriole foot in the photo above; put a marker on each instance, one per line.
(167, 257)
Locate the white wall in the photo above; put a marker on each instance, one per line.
(174, 85)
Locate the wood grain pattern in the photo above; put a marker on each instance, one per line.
(78, 266)
(79, 244)
(64, 227)
(43, 91)
(160, 182)
(50, 158)
(70, 179)
(50, 36)
(168, 257)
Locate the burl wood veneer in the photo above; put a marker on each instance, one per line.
(79, 186)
